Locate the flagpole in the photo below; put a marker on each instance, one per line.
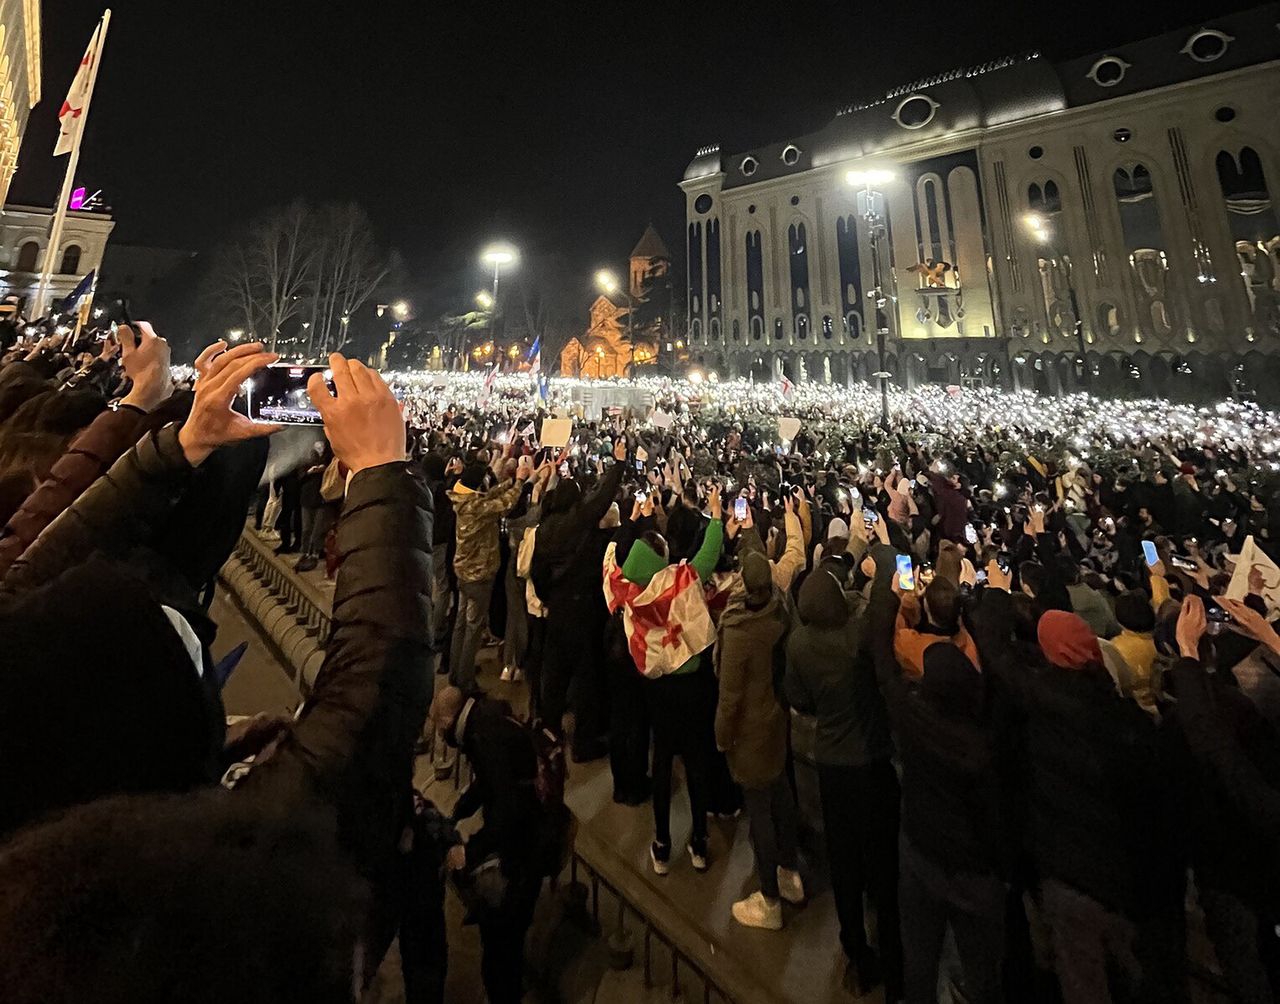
(68, 183)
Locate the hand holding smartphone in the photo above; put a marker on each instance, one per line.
(906, 574)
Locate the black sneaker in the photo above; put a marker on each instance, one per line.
(660, 855)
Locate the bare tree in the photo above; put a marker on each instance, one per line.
(278, 254)
(347, 267)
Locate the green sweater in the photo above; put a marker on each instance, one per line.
(643, 563)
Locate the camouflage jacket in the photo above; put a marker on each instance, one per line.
(478, 514)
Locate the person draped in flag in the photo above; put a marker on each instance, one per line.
(668, 627)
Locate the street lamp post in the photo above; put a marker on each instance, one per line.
(496, 256)
(609, 284)
(1042, 230)
(867, 180)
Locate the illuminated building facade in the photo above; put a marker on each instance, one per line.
(19, 80)
(1102, 222)
(24, 240)
(629, 329)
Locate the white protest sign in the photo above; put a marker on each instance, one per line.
(787, 428)
(556, 432)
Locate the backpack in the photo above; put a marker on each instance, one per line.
(332, 484)
(553, 836)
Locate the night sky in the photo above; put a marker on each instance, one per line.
(562, 126)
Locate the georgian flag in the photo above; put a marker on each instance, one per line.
(70, 117)
(667, 622)
(787, 386)
(673, 618)
(489, 378)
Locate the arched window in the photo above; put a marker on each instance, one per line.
(827, 327)
(713, 266)
(695, 267)
(737, 332)
(70, 260)
(27, 256)
(777, 329)
(850, 266)
(1252, 219)
(757, 327)
(798, 246)
(755, 278)
(713, 327)
(802, 327)
(1144, 241)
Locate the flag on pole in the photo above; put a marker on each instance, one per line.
(787, 386)
(70, 118)
(534, 358)
(82, 288)
(544, 388)
(489, 378)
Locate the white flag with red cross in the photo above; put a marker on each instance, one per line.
(667, 622)
(787, 386)
(71, 116)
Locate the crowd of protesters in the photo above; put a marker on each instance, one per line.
(1039, 666)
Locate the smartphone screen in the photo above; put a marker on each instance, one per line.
(1186, 564)
(980, 576)
(740, 509)
(1149, 552)
(870, 517)
(278, 394)
(906, 574)
(970, 534)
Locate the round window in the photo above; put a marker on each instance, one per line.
(1122, 135)
(916, 112)
(749, 166)
(751, 208)
(1036, 152)
(702, 203)
(1207, 44)
(1225, 114)
(790, 155)
(795, 200)
(1108, 71)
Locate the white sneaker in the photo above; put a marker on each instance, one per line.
(517, 674)
(790, 887)
(698, 860)
(505, 675)
(756, 911)
(661, 858)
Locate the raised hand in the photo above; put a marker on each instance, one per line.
(363, 422)
(212, 423)
(1191, 625)
(145, 357)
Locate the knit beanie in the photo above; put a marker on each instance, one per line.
(1067, 641)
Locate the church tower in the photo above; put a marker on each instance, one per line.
(650, 260)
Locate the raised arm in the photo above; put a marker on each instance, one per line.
(89, 456)
(353, 743)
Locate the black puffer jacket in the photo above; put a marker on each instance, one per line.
(1103, 812)
(568, 520)
(353, 743)
(952, 805)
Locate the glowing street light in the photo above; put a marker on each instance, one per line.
(607, 281)
(869, 178)
(401, 309)
(484, 300)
